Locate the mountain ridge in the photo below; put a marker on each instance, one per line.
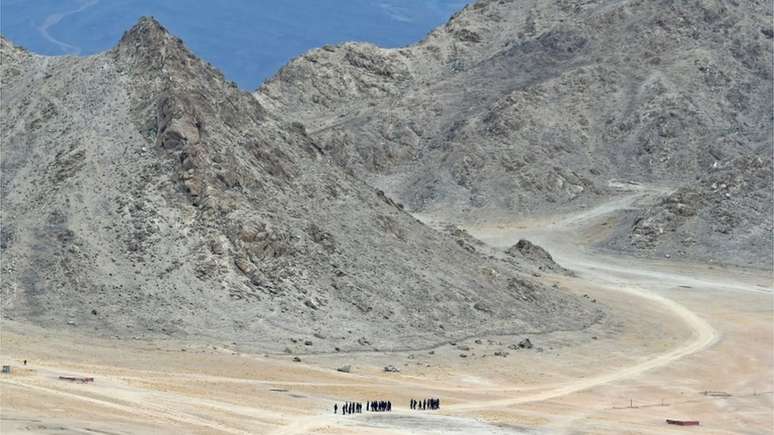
(522, 107)
(145, 196)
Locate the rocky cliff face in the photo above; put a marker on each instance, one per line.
(145, 195)
(518, 106)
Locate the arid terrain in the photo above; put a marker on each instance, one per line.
(686, 341)
(146, 196)
(554, 216)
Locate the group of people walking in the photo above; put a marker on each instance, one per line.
(384, 406)
(357, 407)
(425, 404)
(348, 408)
(380, 406)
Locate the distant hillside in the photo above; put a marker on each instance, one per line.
(519, 107)
(725, 216)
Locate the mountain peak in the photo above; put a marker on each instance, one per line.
(149, 42)
(147, 32)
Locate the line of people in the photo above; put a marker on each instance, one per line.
(379, 406)
(348, 408)
(425, 404)
(357, 407)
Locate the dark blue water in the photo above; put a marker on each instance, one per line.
(248, 39)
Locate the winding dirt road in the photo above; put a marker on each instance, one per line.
(679, 329)
(637, 280)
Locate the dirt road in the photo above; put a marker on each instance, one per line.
(684, 341)
(666, 282)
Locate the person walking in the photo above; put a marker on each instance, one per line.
(335, 407)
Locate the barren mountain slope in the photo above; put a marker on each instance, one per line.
(725, 216)
(515, 106)
(143, 194)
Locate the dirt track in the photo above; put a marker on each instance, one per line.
(679, 330)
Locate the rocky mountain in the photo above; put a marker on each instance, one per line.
(726, 216)
(516, 107)
(145, 195)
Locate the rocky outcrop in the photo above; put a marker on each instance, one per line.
(725, 216)
(526, 250)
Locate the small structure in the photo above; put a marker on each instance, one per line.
(683, 422)
(76, 379)
(6, 369)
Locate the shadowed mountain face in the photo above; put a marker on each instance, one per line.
(145, 195)
(517, 107)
